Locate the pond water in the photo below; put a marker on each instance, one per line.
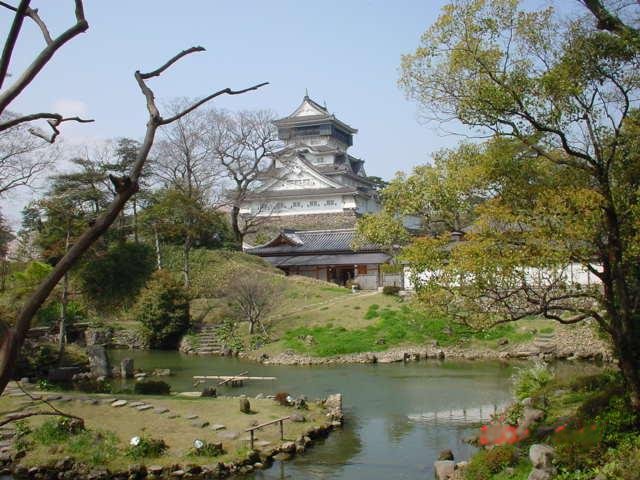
(398, 417)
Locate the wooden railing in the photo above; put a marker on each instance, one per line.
(279, 420)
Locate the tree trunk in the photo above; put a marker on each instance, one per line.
(185, 267)
(629, 363)
(235, 225)
(62, 335)
(135, 218)
(157, 243)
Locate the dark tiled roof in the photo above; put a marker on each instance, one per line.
(339, 259)
(299, 242)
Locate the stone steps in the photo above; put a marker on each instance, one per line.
(209, 341)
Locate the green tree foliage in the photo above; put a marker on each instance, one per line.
(179, 217)
(559, 180)
(163, 309)
(115, 276)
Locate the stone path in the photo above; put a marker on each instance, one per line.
(208, 340)
(545, 342)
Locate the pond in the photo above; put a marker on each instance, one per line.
(398, 417)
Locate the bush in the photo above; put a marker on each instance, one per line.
(36, 359)
(95, 448)
(203, 448)
(116, 276)
(372, 312)
(53, 432)
(484, 464)
(49, 314)
(163, 310)
(528, 381)
(391, 290)
(142, 447)
(152, 387)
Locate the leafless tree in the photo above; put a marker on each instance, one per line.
(23, 156)
(243, 144)
(13, 336)
(252, 298)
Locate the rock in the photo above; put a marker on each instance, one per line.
(445, 455)
(503, 341)
(142, 408)
(97, 336)
(444, 469)
(162, 372)
(191, 417)
(217, 427)
(63, 374)
(155, 469)
(228, 435)
(126, 368)
(140, 376)
(296, 417)
(381, 341)
(530, 416)
(245, 406)
(119, 403)
(541, 456)
(209, 392)
(98, 361)
(441, 354)
(288, 447)
(540, 474)
(160, 410)
(309, 340)
(200, 424)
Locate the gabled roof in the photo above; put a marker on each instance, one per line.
(312, 113)
(309, 108)
(304, 242)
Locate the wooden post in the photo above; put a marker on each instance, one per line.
(281, 430)
(251, 433)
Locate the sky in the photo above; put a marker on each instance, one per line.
(345, 53)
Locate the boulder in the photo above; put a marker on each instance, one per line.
(245, 406)
(531, 416)
(98, 361)
(126, 368)
(63, 374)
(162, 372)
(541, 456)
(288, 447)
(445, 455)
(444, 469)
(296, 417)
(97, 336)
(209, 392)
(540, 474)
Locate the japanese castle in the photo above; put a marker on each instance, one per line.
(313, 192)
(313, 174)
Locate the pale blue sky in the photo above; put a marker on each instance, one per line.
(346, 53)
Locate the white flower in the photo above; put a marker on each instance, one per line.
(198, 444)
(135, 441)
(289, 399)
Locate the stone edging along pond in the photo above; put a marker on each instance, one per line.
(579, 343)
(67, 468)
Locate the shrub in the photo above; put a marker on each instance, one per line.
(163, 310)
(143, 447)
(152, 387)
(95, 448)
(52, 432)
(282, 398)
(116, 276)
(372, 312)
(391, 290)
(528, 381)
(203, 448)
(484, 464)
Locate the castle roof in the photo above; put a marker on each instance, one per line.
(304, 242)
(311, 113)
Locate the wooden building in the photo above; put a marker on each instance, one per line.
(328, 255)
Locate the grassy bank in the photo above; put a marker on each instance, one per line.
(106, 441)
(587, 420)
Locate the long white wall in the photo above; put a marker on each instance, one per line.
(574, 273)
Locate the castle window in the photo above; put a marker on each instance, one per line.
(295, 204)
(313, 203)
(330, 203)
(279, 206)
